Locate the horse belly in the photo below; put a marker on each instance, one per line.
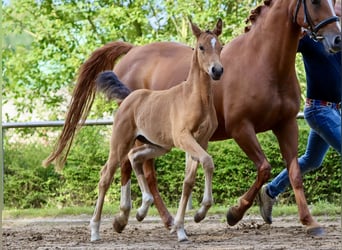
(153, 124)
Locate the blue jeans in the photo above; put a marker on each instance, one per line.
(325, 124)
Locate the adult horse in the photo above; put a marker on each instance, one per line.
(258, 91)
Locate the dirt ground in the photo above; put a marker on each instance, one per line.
(211, 233)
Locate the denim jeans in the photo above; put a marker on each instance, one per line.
(325, 124)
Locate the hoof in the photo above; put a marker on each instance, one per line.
(232, 217)
(169, 223)
(198, 218)
(315, 231)
(94, 239)
(185, 240)
(181, 235)
(118, 227)
(139, 217)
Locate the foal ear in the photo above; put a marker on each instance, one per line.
(218, 29)
(195, 30)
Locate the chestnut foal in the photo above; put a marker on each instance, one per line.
(183, 117)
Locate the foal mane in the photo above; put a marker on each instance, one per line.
(255, 13)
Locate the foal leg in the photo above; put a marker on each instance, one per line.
(288, 146)
(150, 175)
(137, 156)
(190, 145)
(120, 143)
(107, 174)
(192, 164)
(120, 221)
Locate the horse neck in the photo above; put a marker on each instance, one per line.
(277, 35)
(199, 80)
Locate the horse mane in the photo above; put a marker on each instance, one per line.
(255, 13)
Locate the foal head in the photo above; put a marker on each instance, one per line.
(208, 49)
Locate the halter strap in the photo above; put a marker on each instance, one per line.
(307, 19)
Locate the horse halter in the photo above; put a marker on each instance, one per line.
(313, 29)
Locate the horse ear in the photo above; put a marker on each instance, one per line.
(218, 29)
(195, 30)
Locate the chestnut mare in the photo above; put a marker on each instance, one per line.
(258, 91)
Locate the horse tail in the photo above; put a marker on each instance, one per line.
(83, 97)
(109, 84)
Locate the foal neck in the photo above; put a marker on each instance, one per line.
(198, 77)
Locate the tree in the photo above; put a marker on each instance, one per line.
(46, 41)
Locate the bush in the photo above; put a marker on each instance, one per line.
(27, 184)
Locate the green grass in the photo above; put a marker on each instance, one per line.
(319, 209)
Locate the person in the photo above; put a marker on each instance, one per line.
(322, 112)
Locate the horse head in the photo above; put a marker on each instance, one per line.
(321, 21)
(208, 50)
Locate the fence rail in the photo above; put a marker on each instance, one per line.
(37, 124)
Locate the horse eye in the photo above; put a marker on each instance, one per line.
(315, 1)
(201, 47)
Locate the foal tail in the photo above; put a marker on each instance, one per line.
(109, 84)
(83, 97)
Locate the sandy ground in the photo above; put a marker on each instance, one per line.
(211, 233)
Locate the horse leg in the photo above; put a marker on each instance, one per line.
(137, 156)
(188, 184)
(289, 149)
(198, 154)
(122, 140)
(248, 142)
(120, 221)
(150, 175)
(107, 174)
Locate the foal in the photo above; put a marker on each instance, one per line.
(183, 117)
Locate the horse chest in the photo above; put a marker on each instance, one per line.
(205, 127)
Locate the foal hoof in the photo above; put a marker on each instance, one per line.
(232, 216)
(118, 227)
(315, 231)
(185, 240)
(139, 217)
(198, 217)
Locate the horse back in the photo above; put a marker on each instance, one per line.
(156, 66)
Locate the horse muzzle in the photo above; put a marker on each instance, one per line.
(332, 42)
(216, 72)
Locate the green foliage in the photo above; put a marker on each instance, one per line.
(45, 42)
(82, 169)
(28, 185)
(170, 174)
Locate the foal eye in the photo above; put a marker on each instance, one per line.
(201, 47)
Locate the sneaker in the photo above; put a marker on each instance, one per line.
(265, 204)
